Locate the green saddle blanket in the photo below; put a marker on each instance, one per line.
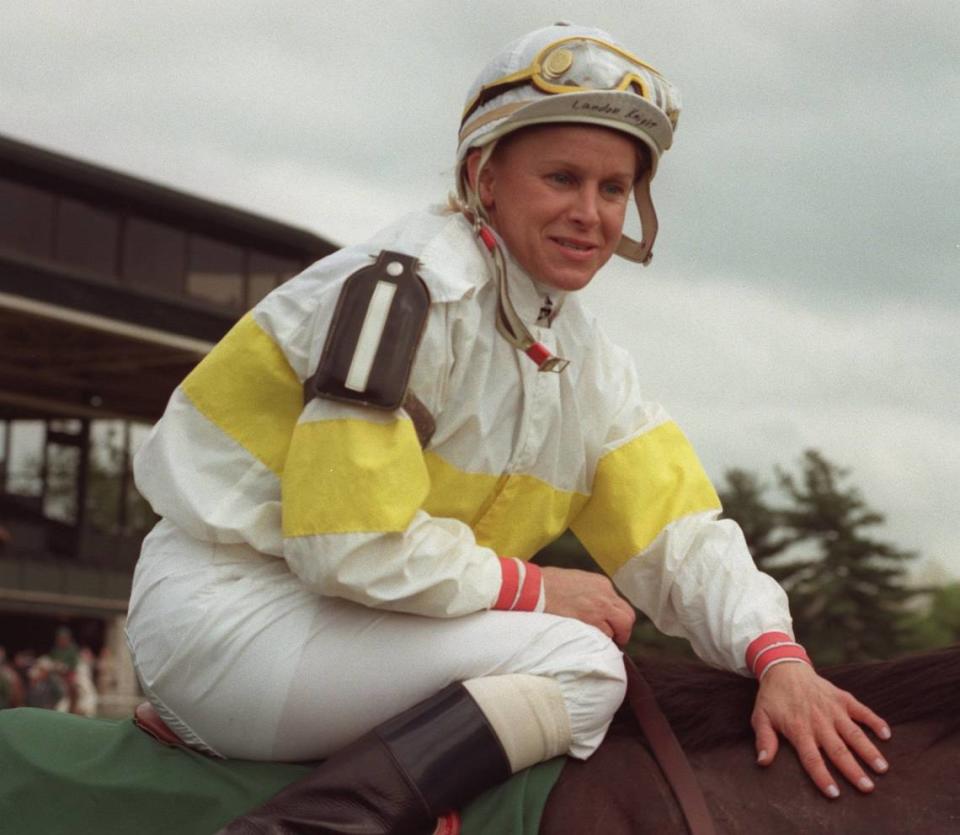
(63, 774)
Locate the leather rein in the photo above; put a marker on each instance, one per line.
(667, 752)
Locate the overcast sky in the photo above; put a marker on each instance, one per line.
(805, 287)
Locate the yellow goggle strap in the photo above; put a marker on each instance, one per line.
(539, 71)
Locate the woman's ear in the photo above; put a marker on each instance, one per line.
(484, 188)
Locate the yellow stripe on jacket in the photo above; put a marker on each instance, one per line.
(246, 387)
(348, 476)
(638, 490)
(351, 476)
(515, 515)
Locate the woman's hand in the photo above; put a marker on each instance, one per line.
(590, 598)
(818, 718)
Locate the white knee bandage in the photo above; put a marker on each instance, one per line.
(527, 713)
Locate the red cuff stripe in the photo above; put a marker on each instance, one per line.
(508, 586)
(530, 593)
(779, 654)
(778, 661)
(761, 643)
(794, 651)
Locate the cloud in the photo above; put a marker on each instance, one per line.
(804, 287)
(755, 378)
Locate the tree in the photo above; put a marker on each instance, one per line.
(847, 588)
(744, 499)
(939, 625)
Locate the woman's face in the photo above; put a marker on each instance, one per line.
(557, 196)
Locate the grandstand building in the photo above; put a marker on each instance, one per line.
(111, 289)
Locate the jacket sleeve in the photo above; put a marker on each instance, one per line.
(335, 489)
(353, 486)
(652, 524)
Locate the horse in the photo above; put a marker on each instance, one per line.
(67, 774)
(621, 790)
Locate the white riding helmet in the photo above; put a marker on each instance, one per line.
(572, 74)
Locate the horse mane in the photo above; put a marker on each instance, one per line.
(709, 708)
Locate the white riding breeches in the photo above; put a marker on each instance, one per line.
(242, 659)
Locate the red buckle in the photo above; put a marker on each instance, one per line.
(147, 719)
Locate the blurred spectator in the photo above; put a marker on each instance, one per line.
(65, 650)
(45, 689)
(23, 661)
(11, 685)
(66, 655)
(86, 692)
(106, 671)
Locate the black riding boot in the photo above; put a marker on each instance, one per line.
(397, 779)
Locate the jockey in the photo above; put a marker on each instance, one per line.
(352, 481)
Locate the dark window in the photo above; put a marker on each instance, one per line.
(70, 426)
(154, 255)
(87, 237)
(215, 272)
(25, 468)
(106, 478)
(26, 218)
(140, 516)
(266, 272)
(60, 495)
(4, 453)
(64, 437)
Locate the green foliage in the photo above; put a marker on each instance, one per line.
(107, 510)
(847, 588)
(938, 625)
(113, 504)
(744, 500)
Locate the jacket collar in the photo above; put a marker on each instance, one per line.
(536, 303)
(454, 265)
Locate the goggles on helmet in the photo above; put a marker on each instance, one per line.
(583, 64)
(582, 78)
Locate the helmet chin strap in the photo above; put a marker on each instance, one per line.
(641, 252)
(472, 195)
(509, 324)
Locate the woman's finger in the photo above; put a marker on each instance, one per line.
(859, 712)
(622, 619)
(605, 628)
(839, 754)
(862, 746)
(813, 764)
(767, 740)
